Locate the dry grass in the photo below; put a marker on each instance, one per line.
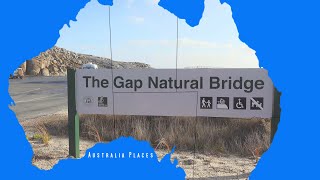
(246, 137)
(42, 134)
(162, 143)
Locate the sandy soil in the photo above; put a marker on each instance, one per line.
(196, 166)
(46, 156)
(212, 166)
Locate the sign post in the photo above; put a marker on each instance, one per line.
(73, 117)
(276, 111)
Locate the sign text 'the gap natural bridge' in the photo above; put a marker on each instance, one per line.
(238, 93)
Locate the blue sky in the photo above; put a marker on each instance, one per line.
(142, 31)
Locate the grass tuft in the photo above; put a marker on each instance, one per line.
(43, 134)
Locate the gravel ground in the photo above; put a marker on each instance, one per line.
(195, 165)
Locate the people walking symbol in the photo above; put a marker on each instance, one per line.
(205, 102)
(209, 104)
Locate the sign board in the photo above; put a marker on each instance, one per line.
(235, 93)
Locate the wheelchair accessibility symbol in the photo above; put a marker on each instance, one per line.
(239, 103)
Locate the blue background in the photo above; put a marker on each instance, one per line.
(285, 35)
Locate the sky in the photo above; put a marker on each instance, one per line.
(144, 32)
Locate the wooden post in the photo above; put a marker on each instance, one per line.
(73, 117)
(276, 111)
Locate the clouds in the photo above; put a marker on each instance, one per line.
(152, 2)
(186, 42)
(129, 3)
(136, 19)
(189, 42)
(143, 31)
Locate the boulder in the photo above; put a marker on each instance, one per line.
(45, 72)
(20, 72)
(34, 72)
(24, 66)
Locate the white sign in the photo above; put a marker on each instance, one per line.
(236, 93)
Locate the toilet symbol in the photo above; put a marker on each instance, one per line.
(239, 103)
(256, 103)
(205, 102)
(222, 103)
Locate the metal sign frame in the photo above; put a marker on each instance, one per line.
(74, 120)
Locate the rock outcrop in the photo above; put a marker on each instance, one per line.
(56, 61)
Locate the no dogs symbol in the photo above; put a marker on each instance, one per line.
(256, 103)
